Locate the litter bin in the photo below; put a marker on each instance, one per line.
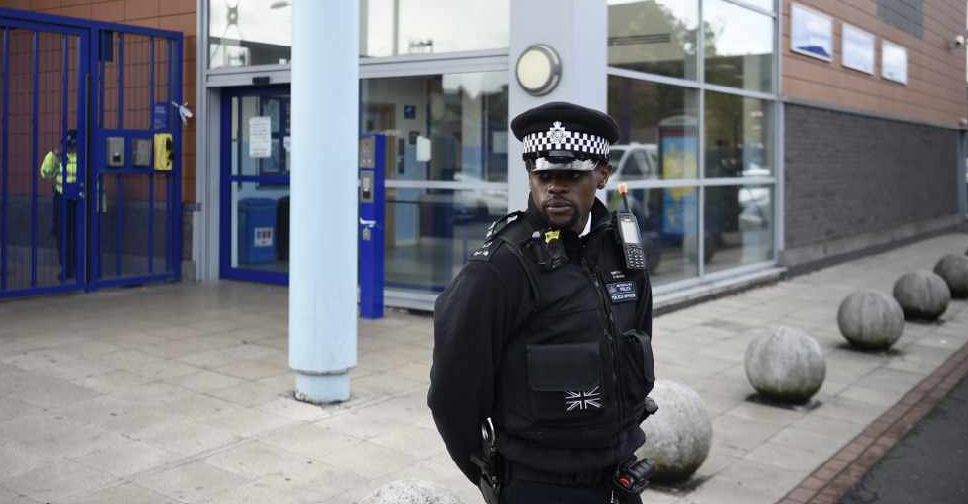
(257, 230)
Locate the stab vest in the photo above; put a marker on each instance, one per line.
(576, 374)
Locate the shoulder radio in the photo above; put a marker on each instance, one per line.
(628, 230)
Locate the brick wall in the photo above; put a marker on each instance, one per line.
(176, 15)
(848, 175)
(936, 75)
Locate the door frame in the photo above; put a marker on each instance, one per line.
(226, 178)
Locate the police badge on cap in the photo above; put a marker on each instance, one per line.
(564, 136)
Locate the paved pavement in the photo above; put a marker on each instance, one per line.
(181, 393)
(928, 465)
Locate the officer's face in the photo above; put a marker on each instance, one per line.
(565, 196)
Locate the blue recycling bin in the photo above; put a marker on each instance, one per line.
(257, 230)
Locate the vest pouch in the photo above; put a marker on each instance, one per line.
(565, 382)
(638, 366)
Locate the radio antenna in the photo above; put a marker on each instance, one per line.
(623, 189)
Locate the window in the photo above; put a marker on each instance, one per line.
(246, 33)
(654, 36)
(739, 136)
(739, 46)
(407, 27)
(657, 130)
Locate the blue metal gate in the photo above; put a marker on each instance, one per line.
(90, 161)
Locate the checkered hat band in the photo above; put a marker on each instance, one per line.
(541, 141)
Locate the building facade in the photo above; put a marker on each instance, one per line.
(755, 134)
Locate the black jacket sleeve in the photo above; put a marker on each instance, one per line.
(471, 319)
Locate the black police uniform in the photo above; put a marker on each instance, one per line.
(548, 334)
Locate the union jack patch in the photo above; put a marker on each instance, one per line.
(583, 400)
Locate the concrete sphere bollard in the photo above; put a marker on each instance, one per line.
(786, 365)
(411, 492)
(922, 294)
(870, 320)
(953, 269)
(679, 435)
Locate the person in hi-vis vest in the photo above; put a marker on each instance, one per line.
(53, 167)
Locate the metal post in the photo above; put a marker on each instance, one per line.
(4, 88)
(151, 175)
(119, 185)
(64, 163)
(323, 204)
(34, 162)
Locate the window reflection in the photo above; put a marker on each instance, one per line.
(439, 128)
(739, 46)
(249, 32)
(739, 136)
(739, 226)
(658, 134)
(668, 220)
(450, 127)
(402, 27)
(654, 36)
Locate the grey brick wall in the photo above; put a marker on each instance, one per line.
(908, 15)
(848, 174)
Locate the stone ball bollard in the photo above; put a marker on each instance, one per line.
(870, 320)
(678, 436)
(785, 365)
(922, 294)
(953, 269)
(411, 492)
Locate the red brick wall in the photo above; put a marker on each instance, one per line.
(176, 15)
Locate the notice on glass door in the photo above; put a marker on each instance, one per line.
(260, 137)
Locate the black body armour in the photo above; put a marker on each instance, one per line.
(572, 382)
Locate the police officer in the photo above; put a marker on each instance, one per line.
(55, 166)
(543, 339)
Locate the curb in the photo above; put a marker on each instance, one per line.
(835, 477)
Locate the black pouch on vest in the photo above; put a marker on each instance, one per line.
(565, 381)
(638, 365)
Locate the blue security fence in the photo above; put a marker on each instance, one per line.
(90, 161)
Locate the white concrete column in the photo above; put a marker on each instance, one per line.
(323, 208)
(578, 30)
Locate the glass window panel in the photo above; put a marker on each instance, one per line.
(763, 4)
(739, 226)
(404, 27)
(430, 233)
(249, 32)
(739, 136)
(739, 46)
(668, 219)
(244, 109)
(657, 130)
(441, 127)
(654, 36)
(260, 226)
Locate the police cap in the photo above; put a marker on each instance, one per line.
(562, 131)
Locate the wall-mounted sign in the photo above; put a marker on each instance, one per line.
(893, 62)
(811, 33)
(260, 137)
(858, 49)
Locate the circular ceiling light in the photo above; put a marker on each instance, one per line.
(538, 69)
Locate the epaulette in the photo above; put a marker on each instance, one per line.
(490, 243)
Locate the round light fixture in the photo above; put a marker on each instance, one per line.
(538, 69)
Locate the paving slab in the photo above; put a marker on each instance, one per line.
(192, 402)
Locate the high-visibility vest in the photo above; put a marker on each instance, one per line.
(51, 168)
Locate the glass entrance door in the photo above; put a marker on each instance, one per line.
(254, 237)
